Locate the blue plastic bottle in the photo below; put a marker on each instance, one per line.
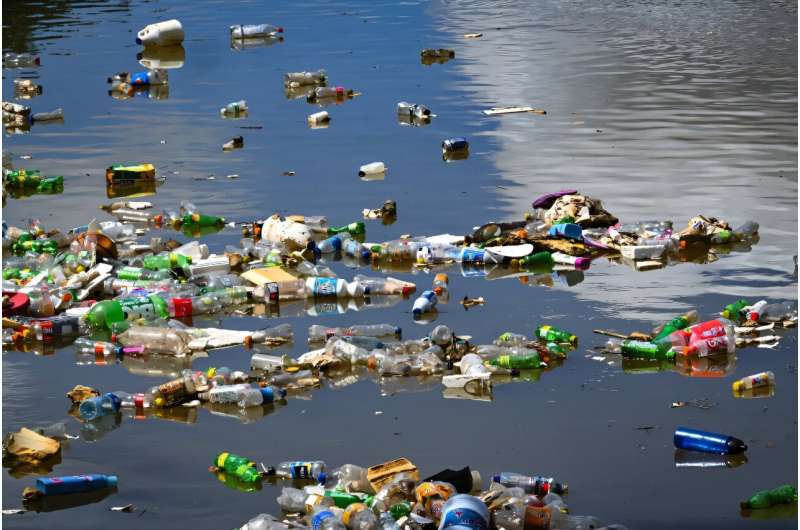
(332, 244)
(75, 484)
(707, 442)
(567, 231)
(97, 406)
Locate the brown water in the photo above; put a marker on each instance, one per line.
(663, 110)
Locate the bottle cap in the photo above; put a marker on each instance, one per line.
(438, 290)
(280, 29)
(737, 386)
(267, 393)
(583, 263)
(495, 478)
(322, 477)
(112, 481)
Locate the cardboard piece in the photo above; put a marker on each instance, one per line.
(382, 474)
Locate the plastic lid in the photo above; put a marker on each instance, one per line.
(583, 263)
(138, 40)
(280, 29)
(267, 393)
(112, 481)
(438, 291)
(737, 386)
(495, 478)
(322, 477)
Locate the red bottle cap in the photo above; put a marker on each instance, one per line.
(17, 303)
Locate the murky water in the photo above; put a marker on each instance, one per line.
(664, 110)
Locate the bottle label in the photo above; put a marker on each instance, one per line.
(324, 287)
(301, 470)
(537, 517)
(172, 391)
(464, 517)
(182, 307)
(139, 307)
(472, 255)
(272, 292)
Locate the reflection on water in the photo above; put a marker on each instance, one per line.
(658, 119)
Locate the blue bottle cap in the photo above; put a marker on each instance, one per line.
(398, 331)
(111, 481)
(495, 478)
(322, 477)
(116, 402)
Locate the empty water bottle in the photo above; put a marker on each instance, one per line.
(254, 31)
(161, 33)
(20, 60)
(424, 304)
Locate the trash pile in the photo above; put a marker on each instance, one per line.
(120, 291)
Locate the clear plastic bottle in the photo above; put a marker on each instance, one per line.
(263, 521)
(352, 478)
(293, 500)
(539, 486)
(254, 31)
(426, 303)
(156, 340)
(243, 394)
(97, 406)
(777, 312)
(381, 285)
(337, 287)
(20, 60)
(53, 115)
(296, 79)
(234, 109)
(324, 518)
(317, 333)
(84, 345)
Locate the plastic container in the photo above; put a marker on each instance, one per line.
(464, 512)
(161, 33)
(75, 484)
(372, 169)
(762, 379)
(254, 31)
(424, 304)
(707, 442)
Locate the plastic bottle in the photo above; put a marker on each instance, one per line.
(551, 334)
(746, 232)
(105, 313)
(166, 261)
(754, 381)
(97, 406)
(539, 486)
(424, 304)
(575, 261)
(294, 235)
(302, 470)
(354, 249)
(356, 228)
(550, 517)
(440, 286)
(566, 231)
(320, 333)
(381, 285)
(234, 109)
(321, 287)
(56, 327)
(295, 79)
(410, 109)
(734, 310)
(20, 60)
(707, 442)
(675, 324)
(292, 500)
(263, 521)
(358, 516)
(84, 345)
(455, 144)
(464, 512)
(75, 484)
(138, 273)
(785, 494)
(351, 477)
(238, 466)
(254, 31)
(322, 93)
(518, 362)
(161, 33)
(640, 349)
(325, 519)
(777, 312)
(319, 119)
(156, 340)
(244, 395)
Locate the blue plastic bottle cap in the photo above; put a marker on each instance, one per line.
(138, 40)
(111, 481)
(398, 331)
(322, 477)
(282, 392)
(495, 478)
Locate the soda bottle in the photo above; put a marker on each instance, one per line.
(56, 327)
(640, 349)
(319, 333)
(356, 228)
(139, 273)
(22, 178)
(84, 345)
(50, 185)
(343, 499)
(707, 442)
(754, 381)
(357, 516)
(518, 362)
(325, 519)
(105, 313)
(539, 486)
(774, 312)
(381, 285)
(675, 324)
(166, 261)
(440, 286)
(734, 309)
(321, 287)
(538, 261)
(746, 232)
(355, 249)
(551, 334)
(53, 115)
(786, 494)
(238, 466)
(334, 243)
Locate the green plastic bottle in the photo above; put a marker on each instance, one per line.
(401, 509)
(11, 273)
(518, 362)
(240, 467)
(172, 260)
(343, 499)
(539, 261)
(104, 314)
(675, 324)
(23, 178)
(353, 229)
(639, 349)
(137, 273)
(551, 334)
(37, 246)
(785, 494)
(556, 349)
(733, 311)
(202, 220)
(51, 185)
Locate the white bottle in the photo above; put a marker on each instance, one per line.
(161, 33)
(319, 119)
(373, 169)
(193, 249)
